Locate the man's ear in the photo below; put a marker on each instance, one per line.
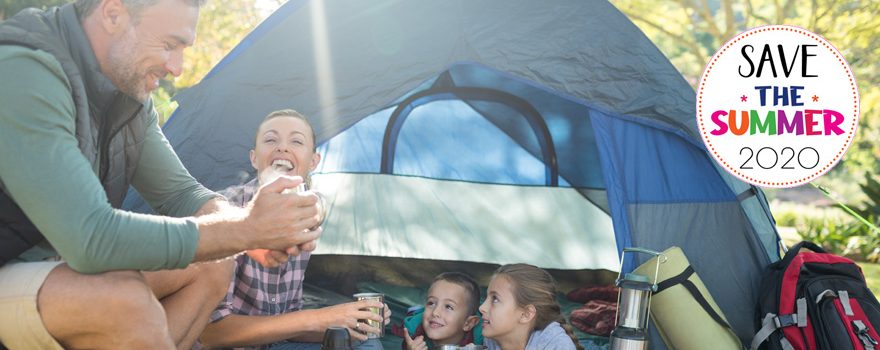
(470, 323)
(528, 314)
(114, 16)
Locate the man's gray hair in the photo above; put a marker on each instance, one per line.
(85, 7)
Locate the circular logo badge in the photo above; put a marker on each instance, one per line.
(777, 106)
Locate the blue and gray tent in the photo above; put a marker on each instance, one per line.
(494, 131)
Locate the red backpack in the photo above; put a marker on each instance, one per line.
(816, 301)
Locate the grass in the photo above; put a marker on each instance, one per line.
(872, 275)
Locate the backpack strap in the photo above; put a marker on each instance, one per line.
(801, 312)
(789, 256)
(842, 295)
(768, 326)
(844, 301)
(772, 322)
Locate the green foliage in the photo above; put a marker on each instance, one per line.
(786, 218)
(872, 276)
(222, 25)
(163, 104)
(833, 229)
(841, 237)
(870, 208)
(866, 238)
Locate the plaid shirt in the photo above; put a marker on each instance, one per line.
(258, 290)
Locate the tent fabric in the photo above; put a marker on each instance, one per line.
(726, 266)
(614, 67)
(458, 130)
(488, 156)
(412, 217)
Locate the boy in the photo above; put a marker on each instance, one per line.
(449, 316)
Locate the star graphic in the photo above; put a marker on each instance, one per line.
(743, 98)
(815, 98)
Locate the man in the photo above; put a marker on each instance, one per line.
(77, 128)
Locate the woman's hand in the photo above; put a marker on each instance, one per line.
(351, 315)
(268, 258)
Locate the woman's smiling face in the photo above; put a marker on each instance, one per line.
(285, 144)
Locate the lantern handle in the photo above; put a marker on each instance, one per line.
(661, 258)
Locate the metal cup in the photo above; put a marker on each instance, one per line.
(472, 347)
(376, 310)
(322, 203)
(465, 347)
(336, 338)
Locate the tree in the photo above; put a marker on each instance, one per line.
(689, 32)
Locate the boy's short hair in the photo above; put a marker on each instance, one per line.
(470, 286)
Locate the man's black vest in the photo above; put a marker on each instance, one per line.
(110, 126)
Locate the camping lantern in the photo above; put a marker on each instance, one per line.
(633, 304)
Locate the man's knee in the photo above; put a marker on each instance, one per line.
(217, 276)
(88, 311)
(138, 314)
(131, 292)
(205, 279)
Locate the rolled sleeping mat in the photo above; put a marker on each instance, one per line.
(683, 311)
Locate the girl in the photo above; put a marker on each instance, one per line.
(520, 311)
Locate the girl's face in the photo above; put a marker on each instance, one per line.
(285, 144)
(446, 318)
(502, 317)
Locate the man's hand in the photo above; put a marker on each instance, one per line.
(272, 226)
(281, 221)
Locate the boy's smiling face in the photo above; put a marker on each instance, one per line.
(447, 316)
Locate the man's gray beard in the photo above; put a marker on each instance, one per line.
(122, 72)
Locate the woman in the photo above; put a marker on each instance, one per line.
(263, 307)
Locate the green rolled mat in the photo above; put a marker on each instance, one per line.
(683, 311)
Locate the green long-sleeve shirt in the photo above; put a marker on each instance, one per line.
(46, 174)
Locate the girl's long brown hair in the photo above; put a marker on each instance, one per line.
(534, 286)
